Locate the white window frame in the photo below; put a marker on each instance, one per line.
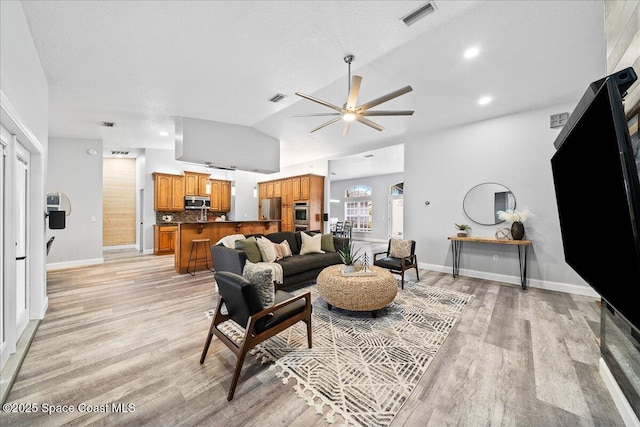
(358, 208)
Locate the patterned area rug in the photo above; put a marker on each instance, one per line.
(361, 370)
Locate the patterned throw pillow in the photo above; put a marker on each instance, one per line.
(311, 244)
(400, 248)
(327, 243)
(262, 279)
(283, 249)
(267, 250)
(250, 247)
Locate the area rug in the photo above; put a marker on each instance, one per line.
(361, 370)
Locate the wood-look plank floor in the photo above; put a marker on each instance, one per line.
(131, 331)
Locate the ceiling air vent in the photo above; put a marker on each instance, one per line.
(419, 13)
(277, 97)
(119, 153)
(108, 124)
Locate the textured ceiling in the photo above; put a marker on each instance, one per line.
(142, 63)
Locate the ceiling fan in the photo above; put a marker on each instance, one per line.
(350, 112)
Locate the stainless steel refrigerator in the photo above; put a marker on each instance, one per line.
(271, 208)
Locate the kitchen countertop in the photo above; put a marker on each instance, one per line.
(222, 222)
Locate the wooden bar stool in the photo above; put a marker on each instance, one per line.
(195, 244)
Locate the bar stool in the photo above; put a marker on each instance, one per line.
(195, 244)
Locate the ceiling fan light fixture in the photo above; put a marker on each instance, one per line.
(348, 116)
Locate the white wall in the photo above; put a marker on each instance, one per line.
(25, 100)
(515, 151)
(380, 187)
(79, 175)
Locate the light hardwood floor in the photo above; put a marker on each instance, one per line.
(131, 331)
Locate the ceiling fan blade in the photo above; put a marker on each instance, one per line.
(325, 124)
(369, 123)
(353, 92)
(319, 101)
(388, 113)
(345, 128)
(316, 115)
(385, 98)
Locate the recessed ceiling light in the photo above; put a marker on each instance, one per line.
(484, 100)
(164, 133)
(472, 52)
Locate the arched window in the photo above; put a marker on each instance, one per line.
(358, 207)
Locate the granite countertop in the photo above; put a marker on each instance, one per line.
(209, 222)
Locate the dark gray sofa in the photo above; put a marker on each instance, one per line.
(296, 270)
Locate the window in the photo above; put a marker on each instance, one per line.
(358, 211)
(397, 189)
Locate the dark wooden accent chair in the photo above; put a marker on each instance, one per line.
(244, 307)
(397, 265)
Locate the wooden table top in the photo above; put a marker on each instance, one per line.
(491, 240)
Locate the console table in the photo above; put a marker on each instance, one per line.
(522, 245)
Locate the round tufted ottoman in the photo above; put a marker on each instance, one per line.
(357, 293)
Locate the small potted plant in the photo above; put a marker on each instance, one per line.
(349, 256)
(463, 229)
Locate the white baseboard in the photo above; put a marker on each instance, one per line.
(148, 252)
(73, 264)
(626, 411)
(113, 248)
(568, 288)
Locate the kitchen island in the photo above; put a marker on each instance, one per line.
(214, 231)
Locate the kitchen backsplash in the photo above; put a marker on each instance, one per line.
(183, 216)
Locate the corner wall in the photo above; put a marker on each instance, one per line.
(79, 175)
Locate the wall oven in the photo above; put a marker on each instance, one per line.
(301, 213)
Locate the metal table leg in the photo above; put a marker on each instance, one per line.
(522, 258)
(456, 248)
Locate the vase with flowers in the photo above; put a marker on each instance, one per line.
(517, 218)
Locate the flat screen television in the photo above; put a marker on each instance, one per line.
(597, 186)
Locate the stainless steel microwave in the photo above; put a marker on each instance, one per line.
(192, 202)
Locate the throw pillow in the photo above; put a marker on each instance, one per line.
(230, 241)
(400, 248)
(311, 244)
(282, 249)
(250, 247)
(327, 243)
(267, 250)
(261, 278)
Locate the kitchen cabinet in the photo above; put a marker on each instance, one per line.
(308, 188)
(225, 196)
(195, 184)
(216, 204)
(168, 192)
(220, 195)
(164, 239)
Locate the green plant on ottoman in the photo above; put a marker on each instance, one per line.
(349, 256)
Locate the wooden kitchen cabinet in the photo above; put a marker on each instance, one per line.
(307, 188)
(164, 239)
(225, 196)
(195, 184)
(220, 195)
(168, 192)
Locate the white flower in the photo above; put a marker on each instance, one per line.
(512, 215)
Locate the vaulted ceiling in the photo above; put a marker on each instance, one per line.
(140, 64)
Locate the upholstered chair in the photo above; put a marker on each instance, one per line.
(399, 257)
(242, 305)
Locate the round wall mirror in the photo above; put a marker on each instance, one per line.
(482, 203)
